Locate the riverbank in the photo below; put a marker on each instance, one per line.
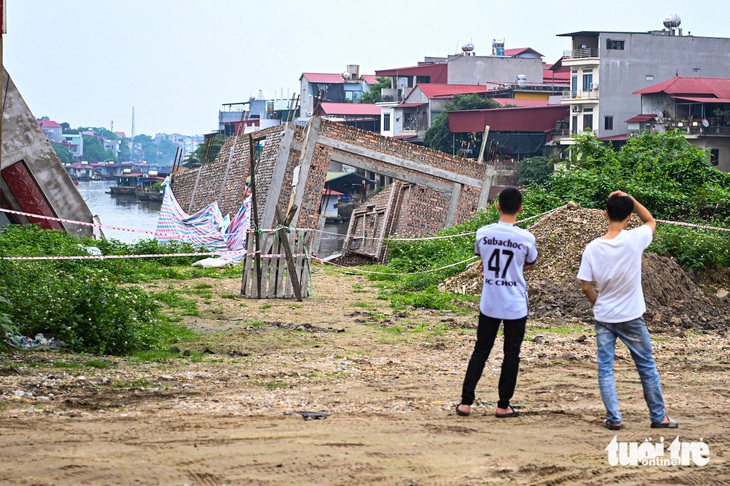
(344, 389)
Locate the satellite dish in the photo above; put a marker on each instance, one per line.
(705, 123)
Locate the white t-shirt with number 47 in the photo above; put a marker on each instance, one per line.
(505, 249)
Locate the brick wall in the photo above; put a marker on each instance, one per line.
(419, 210)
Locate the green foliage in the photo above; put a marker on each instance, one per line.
(205, 153)
(693, 248)
(94, 150)
(64, 155)
(438, 136)
(374, 94)
(6, 324)
(81, 302)
(535, 170)
(430, 298)
(667, 174)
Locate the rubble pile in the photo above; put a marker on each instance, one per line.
(673, 300)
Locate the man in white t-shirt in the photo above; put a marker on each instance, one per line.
(506, 252)
(613, 263)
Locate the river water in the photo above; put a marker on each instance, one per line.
(139, 217)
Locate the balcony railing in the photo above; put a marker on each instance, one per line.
(696, 128)
(580, 53)
(580, 95)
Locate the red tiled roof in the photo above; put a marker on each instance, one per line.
(438, 72)
(549, 75)
(327, 108)
(331, 78)
(640, 118)
(48, 124)
(615, 138)
(409, 105)
(677, 86)
(323, 77)
(527, 119)
(701, 99)
(369, 78)
(520, 102)
(434, 90)
(520, 50)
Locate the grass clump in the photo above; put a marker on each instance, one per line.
(86, 303)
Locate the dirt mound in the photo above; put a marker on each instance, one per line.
(673, 299)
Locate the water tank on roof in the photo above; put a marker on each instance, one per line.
(672, 21)
(521, 80)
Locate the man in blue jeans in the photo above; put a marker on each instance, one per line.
(613, 262)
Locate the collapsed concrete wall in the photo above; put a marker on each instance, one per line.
(32, 178)
(291, 164)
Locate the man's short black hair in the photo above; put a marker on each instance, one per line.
(619, 207)
(510, 200)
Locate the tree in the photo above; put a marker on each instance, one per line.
(374, 93)
(205, 153)
(125, 154)
(669, 175)
(64, 155)
(535, 170)
(438, 136)
(94, 150)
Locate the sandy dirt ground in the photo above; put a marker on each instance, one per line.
(342, 390)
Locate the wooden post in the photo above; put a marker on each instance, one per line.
(284, 238)
(254, 207)
(484, 143)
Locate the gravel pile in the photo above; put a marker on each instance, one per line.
(673, 300)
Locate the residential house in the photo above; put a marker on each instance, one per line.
(83, 171)
(255, 114)
(347, 87)
(112, 145)
(518, 132)
(608, 67)
(404, 79)
(74, 142)
(359, 115)
(698, 107)
(52, 130)
(410, 119)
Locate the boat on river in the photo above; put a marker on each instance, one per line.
(149, 188)
(126, 184)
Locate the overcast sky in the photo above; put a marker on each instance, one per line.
(89, 62)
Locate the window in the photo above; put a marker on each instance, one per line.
(588, 122)
(714, 156)
(587, 79)
(608, 123)
(617, 45)
(386, 122)
(574, 84)
(423, 79)
(574, 126)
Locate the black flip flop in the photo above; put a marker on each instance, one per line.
(460, 413)
(672, 424)
(513, 413)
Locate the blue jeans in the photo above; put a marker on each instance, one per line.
(635, 335)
